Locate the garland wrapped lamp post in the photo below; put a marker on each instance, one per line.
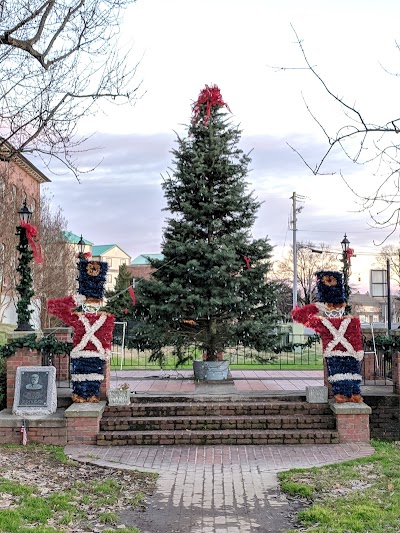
(347, 252)
(24, 286)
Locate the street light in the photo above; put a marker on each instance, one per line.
(24, 287)
(346, 269)
(24, 213)
(81, 246)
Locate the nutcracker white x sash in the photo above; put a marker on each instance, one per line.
(339, 338)
(90, 336)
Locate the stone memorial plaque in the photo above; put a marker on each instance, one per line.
(35, 391)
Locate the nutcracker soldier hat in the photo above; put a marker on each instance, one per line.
(92, 278)
(330, 287)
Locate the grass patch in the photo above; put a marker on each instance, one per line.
(45, 492)
(360, 496)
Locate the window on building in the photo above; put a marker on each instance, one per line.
(109, 278)
(375, 318)
(363, 319)
(2, 187)
(109, 261)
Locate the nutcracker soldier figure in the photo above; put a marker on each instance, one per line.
(92, 330)
(340, 335)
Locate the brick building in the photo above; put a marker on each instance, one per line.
(20, 181)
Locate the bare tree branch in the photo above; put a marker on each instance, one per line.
(364, 143)
(58, 61)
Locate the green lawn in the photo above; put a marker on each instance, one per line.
(361, 496)
(239, 360)
(42, 491)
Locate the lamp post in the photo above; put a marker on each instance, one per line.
(24, 287)
(81, 247)
(346, 270)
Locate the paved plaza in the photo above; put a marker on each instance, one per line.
(217, 489)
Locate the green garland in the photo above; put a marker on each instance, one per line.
(383, 342)
(24, 287)
(45, 345)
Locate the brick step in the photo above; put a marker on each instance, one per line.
(293, 421)
(170, 398)
(216, 409)
(187, 437)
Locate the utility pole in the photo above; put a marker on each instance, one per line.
(294, 229)
(389, 303)
(295, 198)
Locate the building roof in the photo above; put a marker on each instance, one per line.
(142, 259)
(101, 249)
(365, 300)
(74, 239)
(8, 153)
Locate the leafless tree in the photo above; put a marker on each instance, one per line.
(364, 142)
(56, 277)
(308, 262)
(8, 243)
(58, 59)
(391, 253)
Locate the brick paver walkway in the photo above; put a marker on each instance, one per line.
(215, 489)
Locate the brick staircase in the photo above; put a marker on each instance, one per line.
(185, 420)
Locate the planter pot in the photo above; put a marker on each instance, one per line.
(199, 370)
(119, 397)
(216, 370)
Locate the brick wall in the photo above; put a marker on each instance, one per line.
(385, 416)
(49, 430)
(83, 422)
(61, 362)
(22, 357)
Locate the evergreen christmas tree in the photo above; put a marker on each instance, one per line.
(119, 301)
(211, 288)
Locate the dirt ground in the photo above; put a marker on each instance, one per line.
(137, 504)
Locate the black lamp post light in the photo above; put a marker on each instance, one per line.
(346, 270)
(24, 286)
(81, 247)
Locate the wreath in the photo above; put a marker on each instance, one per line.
(93, 268)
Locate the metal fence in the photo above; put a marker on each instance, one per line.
(376, 367)
(292, 352)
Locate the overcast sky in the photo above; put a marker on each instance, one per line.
(183, 45)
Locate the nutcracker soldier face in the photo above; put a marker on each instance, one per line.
(91, 279)
(331, 292)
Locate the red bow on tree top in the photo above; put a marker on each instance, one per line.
(209, 96)
(33, 240)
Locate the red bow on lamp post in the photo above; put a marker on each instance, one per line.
(32, 236)
(349, 254)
